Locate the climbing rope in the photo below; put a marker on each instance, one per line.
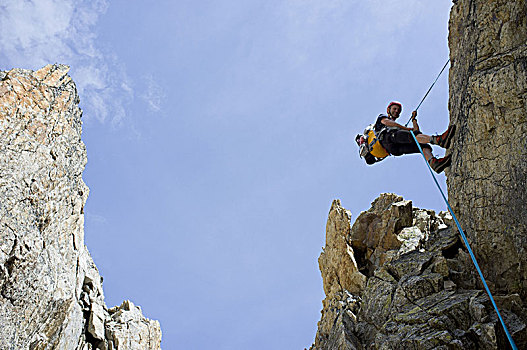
(431, 86)
(465, 240)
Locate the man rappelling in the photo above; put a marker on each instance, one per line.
(387, 136)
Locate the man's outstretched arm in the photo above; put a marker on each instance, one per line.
(391, 123)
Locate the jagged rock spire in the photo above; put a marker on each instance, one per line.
(417, 289)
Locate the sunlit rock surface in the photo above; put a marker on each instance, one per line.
(487, 183)
(416, 290)
(51, 294)
(421, 289)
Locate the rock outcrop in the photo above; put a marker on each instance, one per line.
(487, 183)
(51, 294)
(400, 278)
(406, 282)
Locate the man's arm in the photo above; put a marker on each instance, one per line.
(391, 123)
(414, 121)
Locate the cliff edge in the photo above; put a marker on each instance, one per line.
(51, 294)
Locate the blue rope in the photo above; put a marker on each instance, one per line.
(465, 240)
(511, 341)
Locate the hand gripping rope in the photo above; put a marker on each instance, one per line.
(511, 341)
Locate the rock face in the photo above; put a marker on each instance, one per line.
(400, 278)
(487, 182)
(406, 283)
(51, 294)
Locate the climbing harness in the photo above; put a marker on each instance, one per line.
(465, 240)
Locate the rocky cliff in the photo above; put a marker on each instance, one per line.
(400, 277)
(487, 183)
(51, 294)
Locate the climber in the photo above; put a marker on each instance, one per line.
(397, 140)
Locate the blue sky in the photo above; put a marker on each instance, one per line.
(219, 132)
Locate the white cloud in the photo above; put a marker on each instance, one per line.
(34, 33)
(154, 94)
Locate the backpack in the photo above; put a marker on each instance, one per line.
(369, 146)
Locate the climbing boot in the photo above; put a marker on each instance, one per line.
(439, 164)
(445, 138)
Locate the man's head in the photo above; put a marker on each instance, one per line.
(394, 109)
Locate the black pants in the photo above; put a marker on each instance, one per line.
(399, 142)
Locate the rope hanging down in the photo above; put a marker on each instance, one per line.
(465, 240)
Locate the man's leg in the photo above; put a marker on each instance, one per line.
(422, 138)
(442, 140)
(428, 153)
(440, 164)
(408, 146)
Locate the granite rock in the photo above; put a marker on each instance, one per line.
(417, 297)
(51, 294)
(487, 182)
(422, 290)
